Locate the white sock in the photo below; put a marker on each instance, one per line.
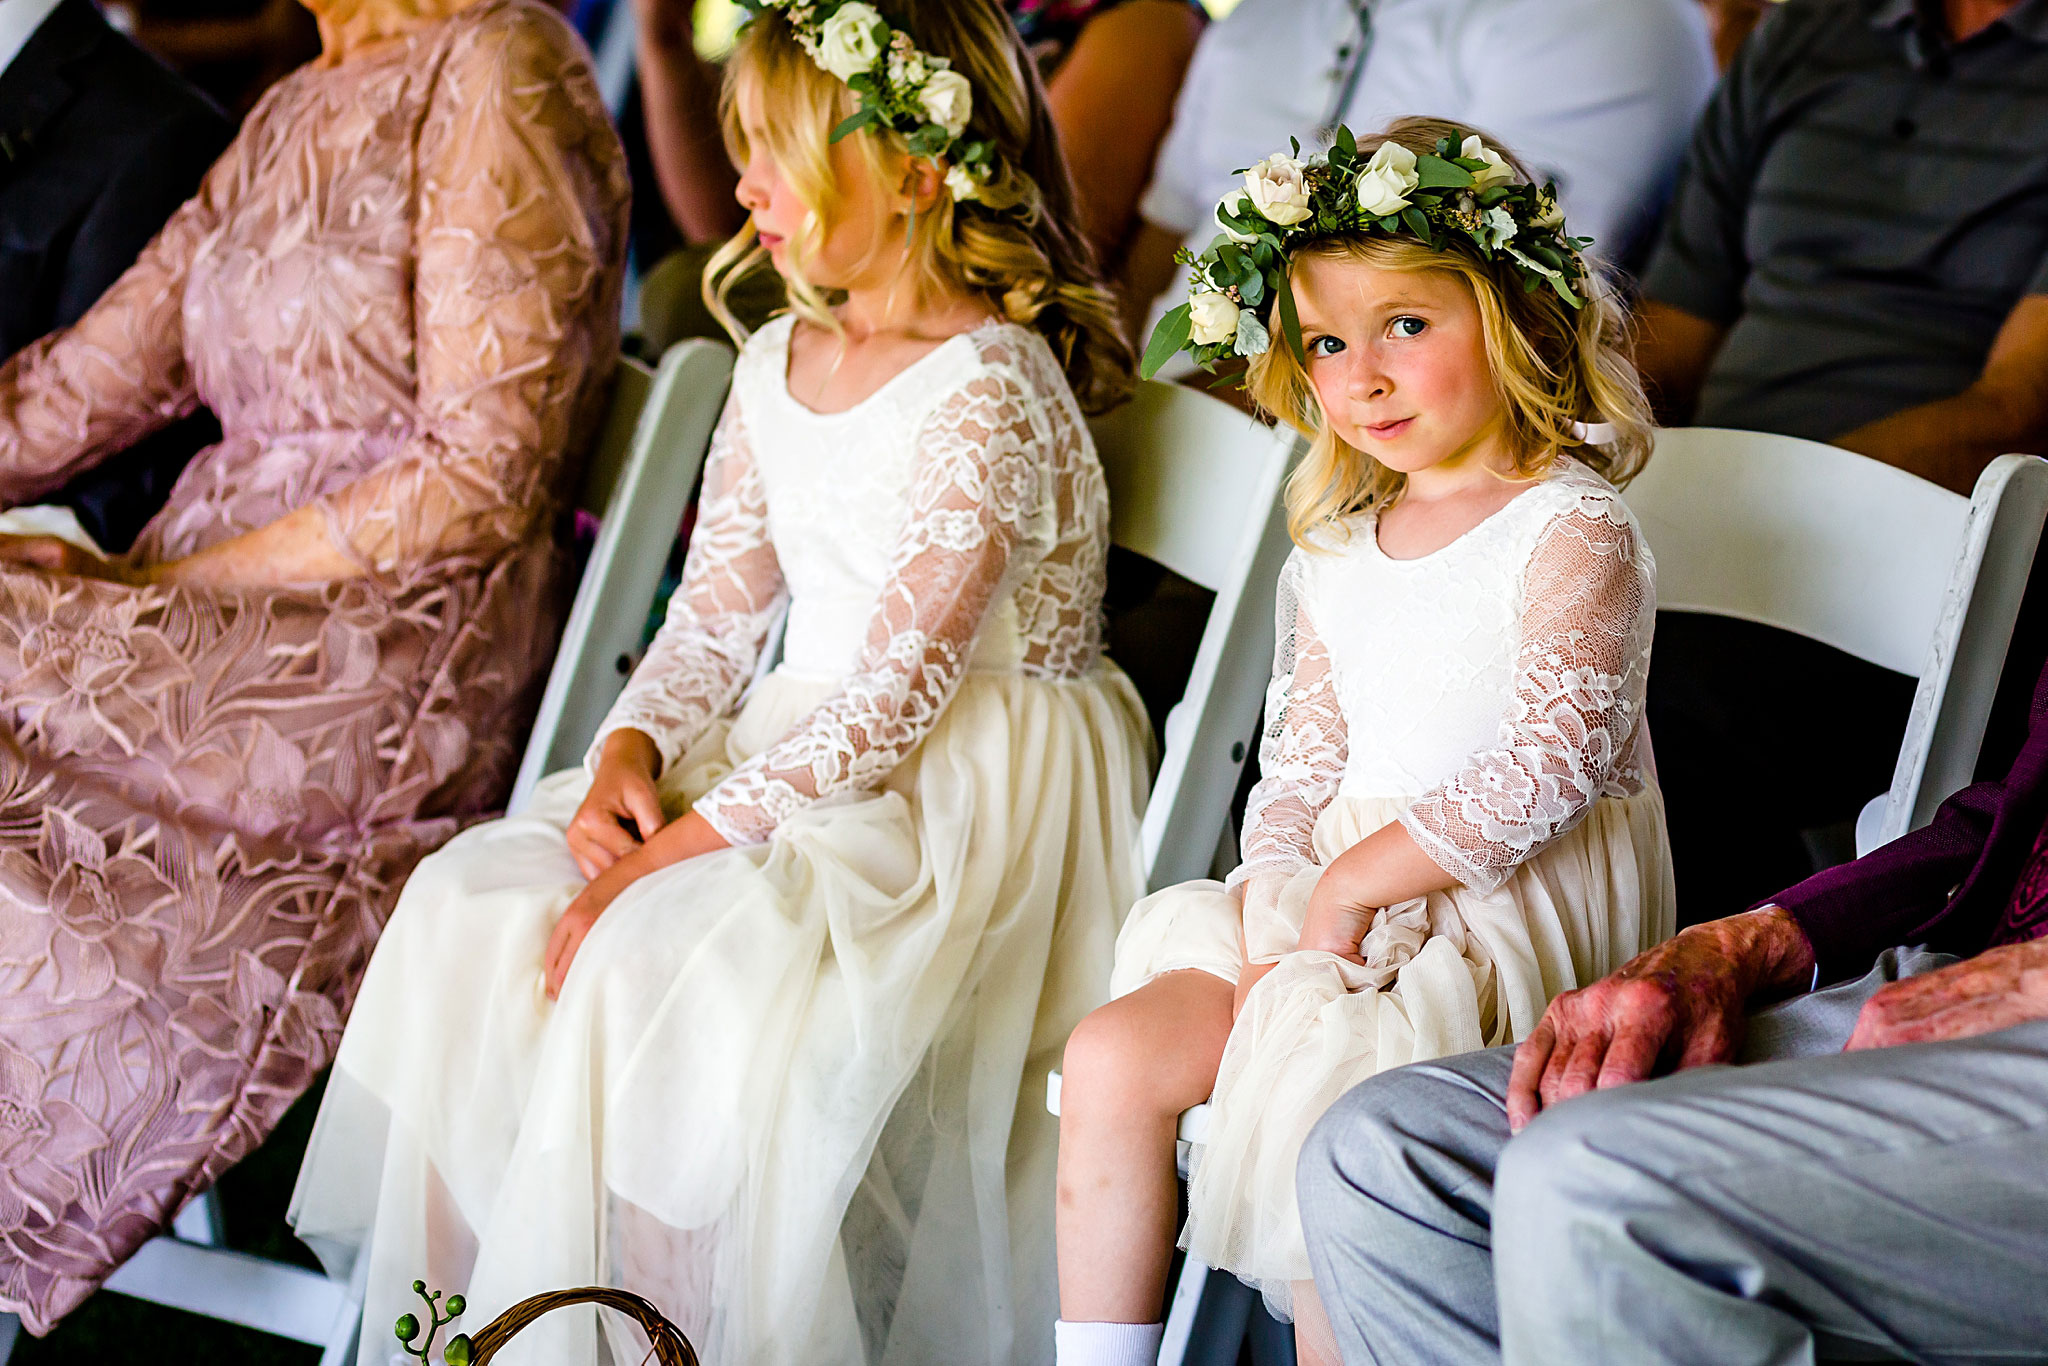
(1106, 1344)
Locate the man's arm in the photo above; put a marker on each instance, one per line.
(1951, 441)
(1673, 350)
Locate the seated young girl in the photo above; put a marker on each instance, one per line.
(753, 1016)
(1456, 817)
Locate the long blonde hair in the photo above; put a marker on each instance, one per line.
(1553, 366)
(1019, 246)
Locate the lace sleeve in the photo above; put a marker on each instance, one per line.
(119, 373)
(520, 245)
(1304, 750)
(983, 489)
(1570, 735)
(720, 614)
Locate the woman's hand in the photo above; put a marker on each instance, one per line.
(679, 840)
(56, 555)
(621, 812)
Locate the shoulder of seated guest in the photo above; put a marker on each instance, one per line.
(510, 43)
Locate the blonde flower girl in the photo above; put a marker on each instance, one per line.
(752, 1017)
(1457, 817)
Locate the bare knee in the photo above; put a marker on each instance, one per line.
(1148, 1054)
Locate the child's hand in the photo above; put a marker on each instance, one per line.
(1335, 923)
(621, 811)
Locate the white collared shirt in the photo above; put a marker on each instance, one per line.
(1600, 94)
(19, 20)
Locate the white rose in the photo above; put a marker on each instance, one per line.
(846, 45)
(1212, 318)
(948, 100)
(1387, 180)
(961, 184)
(1278, 189)
(1497, 171)
(1552, 215)
(1234, 203)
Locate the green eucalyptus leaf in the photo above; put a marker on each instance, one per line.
(1252, 289)
(1235, 267)
(1346, 143)
(1438, 173)
(855, 123)
(1391, 223)
(1167, 339)
(1290, 323)
(1417, 224)
(1564, 291)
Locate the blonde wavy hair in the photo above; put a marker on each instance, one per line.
(1552, 365)
(1019, 246)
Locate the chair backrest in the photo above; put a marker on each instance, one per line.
(1194, 485)
(638, 483)
(1856, 554)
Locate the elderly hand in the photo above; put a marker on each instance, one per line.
(1997, 989)
(57, 555)
(621, 811)
(1679, 1005)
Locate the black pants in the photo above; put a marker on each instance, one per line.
(1767, 745)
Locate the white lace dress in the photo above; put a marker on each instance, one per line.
(1488, 696)
(793, 1092)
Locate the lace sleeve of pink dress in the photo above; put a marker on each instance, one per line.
(983, 488)
(119, 373)
(1304, 750)
(720, 615)
(1571, 732)
(506, 254)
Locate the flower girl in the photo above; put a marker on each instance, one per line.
(1456, 817)
(753, 1017)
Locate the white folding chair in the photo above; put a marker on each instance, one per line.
(1861, 556)
(639, 480)
(1195, 485)
(638, 484)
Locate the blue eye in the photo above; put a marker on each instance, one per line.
(1407, 327)
(1325, 346)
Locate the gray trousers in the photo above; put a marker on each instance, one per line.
(1869, 1206)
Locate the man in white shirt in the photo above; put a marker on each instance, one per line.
(1599, 94)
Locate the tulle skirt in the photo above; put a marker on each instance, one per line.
(793, 1093)
(1447, 973)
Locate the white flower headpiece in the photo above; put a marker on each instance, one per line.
(1462, 194)
(915, 93)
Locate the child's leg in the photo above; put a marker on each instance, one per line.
(1315, 1343)
(1131, 1068)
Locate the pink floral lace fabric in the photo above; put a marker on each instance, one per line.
(398, 291)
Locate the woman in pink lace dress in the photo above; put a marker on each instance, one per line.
(220, 757)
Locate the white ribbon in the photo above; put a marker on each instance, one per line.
(1594, 433)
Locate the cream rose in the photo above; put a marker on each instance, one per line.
(846, 45)
(1233, 203)
(1497, 170)
(948, 101)
(1278, 188)
(961, 184)
(1212, 318)
(1387, 180)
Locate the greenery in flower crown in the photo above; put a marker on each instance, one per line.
(915, 93)
(1462, 192)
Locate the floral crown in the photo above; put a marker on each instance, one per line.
(1463, 191)
(914, 93)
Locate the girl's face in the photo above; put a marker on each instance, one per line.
(866, 220)
(1398, 361)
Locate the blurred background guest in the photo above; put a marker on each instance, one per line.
(1111, 69)
(221, 755)
(98, 144)
(1857, 253)
(1597, 94)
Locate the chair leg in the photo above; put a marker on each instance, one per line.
(10, 1329)
(200, 1221)
(1206, 1323)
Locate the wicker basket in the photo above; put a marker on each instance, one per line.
(670, 1348)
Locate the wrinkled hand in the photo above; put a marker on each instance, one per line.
(621, 812)
(1681, 1004)
(56, 555)
(1997, 989)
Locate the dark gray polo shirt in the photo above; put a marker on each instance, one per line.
(1862, 206)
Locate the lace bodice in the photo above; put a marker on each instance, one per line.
(955, 519)
(1497, 684)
